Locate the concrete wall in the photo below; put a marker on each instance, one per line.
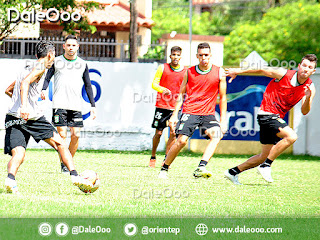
(307, 127)
(125, 107)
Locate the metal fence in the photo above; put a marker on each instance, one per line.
(90, 49)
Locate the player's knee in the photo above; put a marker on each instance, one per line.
(292, 138)
(158, 134)
(19, 153)
(63, 135)
(182, 141)
(75, 135)
(60, 146)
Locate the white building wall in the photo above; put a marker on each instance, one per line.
(307, 127)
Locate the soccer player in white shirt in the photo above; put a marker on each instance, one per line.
(70, 73)
(25, 119)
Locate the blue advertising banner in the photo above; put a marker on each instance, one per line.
(244, 96)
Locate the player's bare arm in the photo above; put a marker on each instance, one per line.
(33, 76)
(183, 89)
(9, 90)
(310, 92)
(223, 101)
(271, 72)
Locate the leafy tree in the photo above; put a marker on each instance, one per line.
(173, 15)
(204, 24)
(6, 27)
(285, 33)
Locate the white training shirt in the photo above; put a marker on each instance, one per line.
(68, 83)
(35, 88)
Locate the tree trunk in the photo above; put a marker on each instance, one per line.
(133, 31)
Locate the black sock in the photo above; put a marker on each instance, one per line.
(203, 163)
(73, 173)
(234, 171)
(165, 167)
(62, 165)
(11, 176)
(153, 158)
(267, 163)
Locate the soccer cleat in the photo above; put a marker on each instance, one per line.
(152, 163)
(83, 184)
(64, 169)
(163, 174)
(163, 163)
(265, 173)
(11, 185)
(202, 172)
(232, 178)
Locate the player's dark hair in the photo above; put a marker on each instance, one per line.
(176, 49)
(311, 58)
(204, 45)
(71, 37)
(43, 48)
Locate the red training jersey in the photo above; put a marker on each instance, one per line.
(170, 79)
(202, 91)
(281, 95)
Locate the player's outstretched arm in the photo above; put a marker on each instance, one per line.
(310, 92)
(271, 72)
(223, 101)
(9, 90)
(33, 76)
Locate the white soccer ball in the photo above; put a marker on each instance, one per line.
(93, 178)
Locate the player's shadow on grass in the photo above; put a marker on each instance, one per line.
(257, 184)
(134, 166)
(42, 172)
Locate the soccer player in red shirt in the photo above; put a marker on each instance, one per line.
(200, 88)
(285, 90)
(166, 82)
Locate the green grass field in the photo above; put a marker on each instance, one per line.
(131, 189)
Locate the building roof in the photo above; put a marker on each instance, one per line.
(205, 2)
(116, 15)
(113, 14)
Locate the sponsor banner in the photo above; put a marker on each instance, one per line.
(244, 97)
(160, 228)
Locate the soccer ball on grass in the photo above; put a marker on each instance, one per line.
(93, 178)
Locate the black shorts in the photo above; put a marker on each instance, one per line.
(188, 123)
(269, 127)
(18, 132)
(161, 118)
(69, 118)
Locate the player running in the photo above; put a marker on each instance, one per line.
(284, 91)
(25, 119)
(167, 83)
(201, 86)
(70, 74)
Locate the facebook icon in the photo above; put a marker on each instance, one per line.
(62, 229)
